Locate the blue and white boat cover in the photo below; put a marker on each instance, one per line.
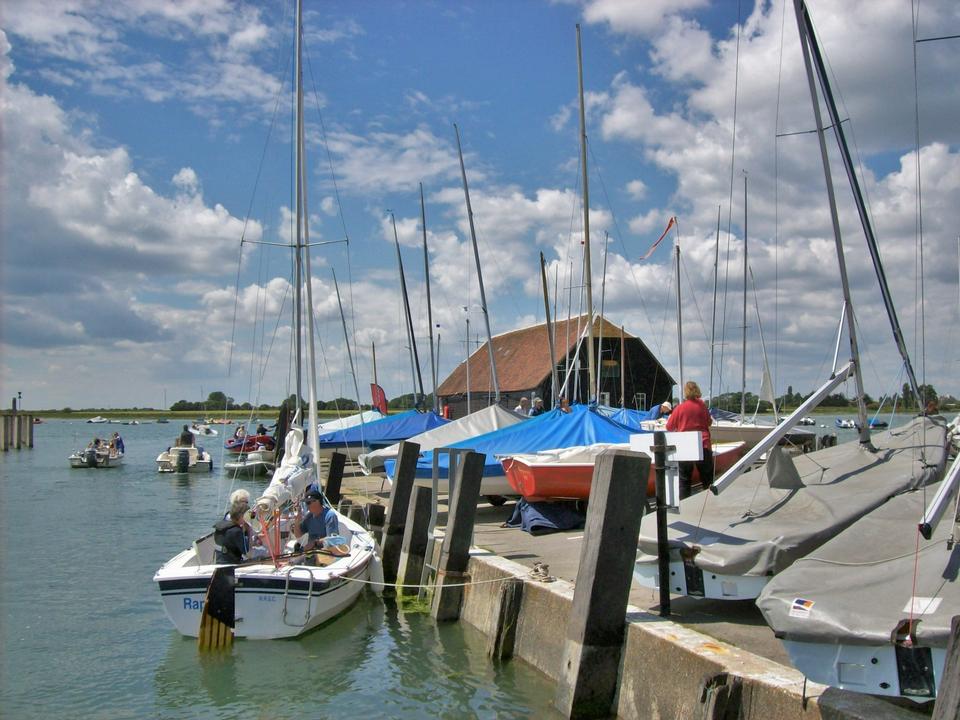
(381, 433)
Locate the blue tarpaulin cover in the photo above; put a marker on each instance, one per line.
(554, 429)
(380, 433)
(631, 418)
(540, 518)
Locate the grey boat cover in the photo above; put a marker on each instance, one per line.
(765, 520)
(858, 587)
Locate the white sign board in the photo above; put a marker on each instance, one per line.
(686, 446)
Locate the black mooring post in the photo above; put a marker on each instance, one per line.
(663, 549)
(335, 478)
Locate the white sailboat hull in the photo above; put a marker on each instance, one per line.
(270, 602)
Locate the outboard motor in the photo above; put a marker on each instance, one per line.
(90, 456)
(183, 461)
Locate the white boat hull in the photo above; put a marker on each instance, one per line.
(270, 602)
(869, 669)
(170, 460)
(646, 573)
(103, 460)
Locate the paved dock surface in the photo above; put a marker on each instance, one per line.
(738, 622)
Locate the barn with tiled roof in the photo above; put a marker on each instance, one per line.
(523, 368)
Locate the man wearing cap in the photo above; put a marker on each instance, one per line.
(319, 522)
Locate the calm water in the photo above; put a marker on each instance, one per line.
(83, 632)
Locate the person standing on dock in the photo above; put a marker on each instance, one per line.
(523, 407)
(537, 408)
(692, 414)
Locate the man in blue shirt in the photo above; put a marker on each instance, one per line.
(320, 521)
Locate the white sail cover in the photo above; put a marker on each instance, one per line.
(478, 423)
(761, 524)
(855, 589)
(367, 416)
(292, 477)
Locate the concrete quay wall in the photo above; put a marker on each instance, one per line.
(667, 671)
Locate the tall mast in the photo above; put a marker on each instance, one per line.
(676, 253)
(468, 364)
(807, 27)
(743, 353)
(807, 42)
(373, 347)
(546, 311)
(426, 274)
(298, 239)
(603, 298)
(476, 257)
(623, 371)
(713, 322)
(302, 221)
(414, 357)
(591, 366)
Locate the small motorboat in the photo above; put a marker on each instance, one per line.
(256, 463)
(567, 473)
(98, 419)
(250, 443)
(162, 421)
(184, 459)
(202, 429)
(96, 457)
(845, 423)
(875, 424)
(806, 421)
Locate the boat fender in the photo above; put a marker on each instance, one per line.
(91, 457)
(376, 575)
(183, 460)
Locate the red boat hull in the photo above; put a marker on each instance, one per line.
(249, 443)
(562, 481)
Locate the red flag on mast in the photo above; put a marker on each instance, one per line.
(654, 246)
(379, 398)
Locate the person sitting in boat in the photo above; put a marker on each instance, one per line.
(261, 429)
(95, 444)
(320, 521)
(240, 432)
(537, 408)
(523, 407)
(118, 443)
(692, 414)
(186, 437)
(231, 536)
(932, 408)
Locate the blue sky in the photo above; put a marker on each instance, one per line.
(137, 137)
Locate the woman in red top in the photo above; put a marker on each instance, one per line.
(692, 414)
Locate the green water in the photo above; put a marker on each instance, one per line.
(83, 632)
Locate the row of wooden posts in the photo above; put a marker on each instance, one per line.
(596, 630)
(17, 429)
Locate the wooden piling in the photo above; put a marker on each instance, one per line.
(947, 706)
(413, 548)
(455, 551)
(501, 642)
(376, 513)
(334, 477)
(396, 515)
(589, 670)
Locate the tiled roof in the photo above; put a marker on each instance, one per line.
(522, 357)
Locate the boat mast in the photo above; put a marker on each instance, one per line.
(426, 274)
(807, 42)
(676, 248)
(591, 366)
(468, 364)
(806, 30)
(346, 340)
(713, 322)
(414, 357)
(476, 257)
(373, 347)
(603, 298)
(304, 240)
(546, 311)
(623, 372)
(743, 352)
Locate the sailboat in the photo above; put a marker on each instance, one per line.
(870, 610)
(729, 543)
(279, 591)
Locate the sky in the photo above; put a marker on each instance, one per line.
(147, 159)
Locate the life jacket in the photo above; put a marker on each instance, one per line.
(219, 536)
